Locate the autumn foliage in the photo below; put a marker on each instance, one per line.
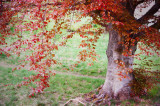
(20, 16)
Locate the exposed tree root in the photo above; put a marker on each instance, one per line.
(76, 101)
(97, 98)
(92, 98)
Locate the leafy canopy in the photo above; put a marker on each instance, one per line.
(18, 17)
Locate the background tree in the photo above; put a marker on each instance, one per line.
(118, 18)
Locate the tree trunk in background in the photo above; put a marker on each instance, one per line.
(113, 86)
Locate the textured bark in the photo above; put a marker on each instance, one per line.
(113, 86)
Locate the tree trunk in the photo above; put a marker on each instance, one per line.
(113, 86)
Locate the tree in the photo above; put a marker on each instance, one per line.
(117, 16)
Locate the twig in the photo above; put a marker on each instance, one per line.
(77, 100)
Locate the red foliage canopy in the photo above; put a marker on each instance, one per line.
(19, 16)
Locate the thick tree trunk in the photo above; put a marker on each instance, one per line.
(113, 86)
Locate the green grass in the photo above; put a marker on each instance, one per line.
(68, 55)
(3, 56)
(151, 61)
(62, 88)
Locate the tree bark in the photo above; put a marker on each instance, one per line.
(113, 86)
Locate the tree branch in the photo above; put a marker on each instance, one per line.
(131, 5)
(157, 24)
(150, 13)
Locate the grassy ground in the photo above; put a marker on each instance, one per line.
(68, 55)
(62, 88)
